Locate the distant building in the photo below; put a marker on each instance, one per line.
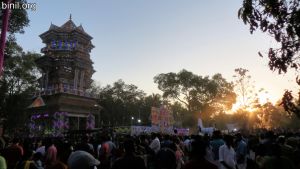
(62, 102)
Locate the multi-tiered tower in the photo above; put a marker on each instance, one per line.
(66, 69)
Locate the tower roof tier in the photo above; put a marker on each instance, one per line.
(66, 63)
(67, 27)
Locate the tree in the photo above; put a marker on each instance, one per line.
(280, 19)
(18, 83)
(181, 115)
(242, 118)
(243, 86)
(197, 93)
(18, 19)
(120, 101)
(289, 104)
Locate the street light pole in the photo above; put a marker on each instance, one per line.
(132, 119)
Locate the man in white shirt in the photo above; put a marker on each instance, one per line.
(227, 154)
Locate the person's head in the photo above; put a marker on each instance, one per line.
(281, 140)
(228, 140)
(153, 136)
(16, 140)
(82, 160)
(28, 154)
(270, 135)
(129, 146)
(166, 137)
(48, 142)
(217, 134)
(85, 139)
(186, 137)
(198, 147)
(239, 136)
(275, 150)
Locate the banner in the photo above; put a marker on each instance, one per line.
(162, 117)
(137, 130)
(60, 123)
(154, 116)
(90, 122)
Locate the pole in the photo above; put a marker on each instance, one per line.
(4, 28)
(77, 122)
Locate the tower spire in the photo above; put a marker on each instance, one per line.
(70, 16)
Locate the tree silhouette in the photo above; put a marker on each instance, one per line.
(281, 20)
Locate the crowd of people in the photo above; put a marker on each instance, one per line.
(266, 150)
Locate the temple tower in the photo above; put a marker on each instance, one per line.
(66, 69)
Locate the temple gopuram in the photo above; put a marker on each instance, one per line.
(62, 102)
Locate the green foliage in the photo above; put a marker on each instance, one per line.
(197, 93)
(17, 84)
(181, 115)
(18, 19)
(121, 101)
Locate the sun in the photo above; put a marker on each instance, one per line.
(263, 97)
(239, 105)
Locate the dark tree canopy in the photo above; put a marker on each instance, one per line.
(120, 101)
(18, 83)
(195, 92)
(281, 20)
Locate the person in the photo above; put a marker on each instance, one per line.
(2, 163)
(178, 153)
(82, 160)
(63, 152)
(286, 149)
(155, 143)
(37, 159)
(110, 145)
(13, 154)
(41, 148)
(216, 143)
(241, 151)
(227, 154)
(129, 160)
(296, 156)
(187, 144)
(85, 145)
(105, 152)
(26, 161)
(51, 154)
(276, 160)
(166, 157)
(198, 156)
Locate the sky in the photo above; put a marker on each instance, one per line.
(137, 39)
